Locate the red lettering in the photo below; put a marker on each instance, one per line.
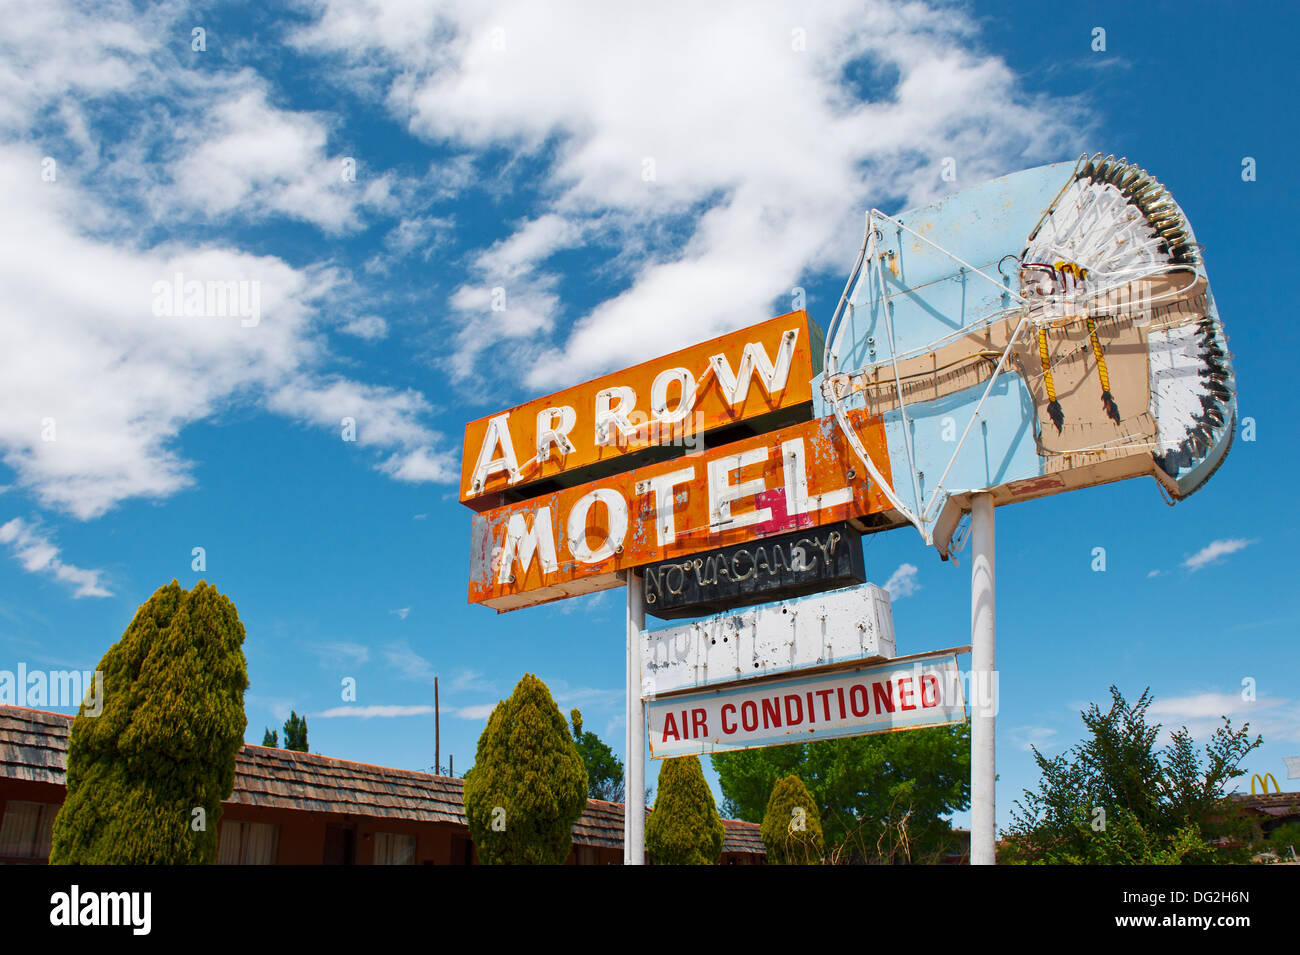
(826, 703)
(840, 691)
(728, 729)
(749, 716)
(699, 724)
(798, 702)
(670, 726)
(929, 680)
(854, 692)
(905, 693)
(771, 713)
(812, 712)
(884, 697)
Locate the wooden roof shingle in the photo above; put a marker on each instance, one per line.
(34, 746)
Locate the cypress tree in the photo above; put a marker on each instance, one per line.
(146, 777)
(527, 786)
(792, 826)
(685, 828)
(295, 732)
(270, 738)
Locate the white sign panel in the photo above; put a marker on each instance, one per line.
(851, 625)
(924, 690)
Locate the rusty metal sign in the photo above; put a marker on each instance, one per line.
(789, 565)
(577, 540)
(917, 692)
(760, 375)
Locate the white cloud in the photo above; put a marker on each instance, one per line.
(371, 328)
(471, 680)
(370, 712)
(480, 711)
(902, 582)
(764, 159)
(97, 387)
(1209, 705)
(343, 654)
(252, 159)
(38, 555)
(401, 613)
(410, 664)
(1214, 550)
(1034, 737)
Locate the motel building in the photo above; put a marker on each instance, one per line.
(291, 808)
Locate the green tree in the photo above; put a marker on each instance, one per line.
(1285, 839)
(527, 786)
(269, 738)
(882, 798)
(295, 732)
(1116, 798)
(146, 777)
(684, 828)
(792, 826)
(604, 769)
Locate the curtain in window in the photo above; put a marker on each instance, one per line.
(260, 840)
(26, 830)
(394, 849)
(248, 843)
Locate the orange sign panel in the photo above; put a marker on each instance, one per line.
(671, 401)
(577, 540)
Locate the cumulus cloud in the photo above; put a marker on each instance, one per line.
(100, 373)
(253, 159)
(370, 328)
(1214, 550)
(1277, 719)
(902, 582)
(38, 555)
(722, 145)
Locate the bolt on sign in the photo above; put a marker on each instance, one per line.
(770, 568)
(760, 377)
(904, 694)
(577, 540)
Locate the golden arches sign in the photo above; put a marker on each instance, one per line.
(1263, 783)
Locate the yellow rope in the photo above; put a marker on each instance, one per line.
(1047, 368)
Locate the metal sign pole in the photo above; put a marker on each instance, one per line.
(983, 768)
(634, 789)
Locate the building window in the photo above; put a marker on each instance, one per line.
(392, 848)
(27, 828)
(248, 843)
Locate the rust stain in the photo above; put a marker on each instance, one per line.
(828, 461)
(711, 409)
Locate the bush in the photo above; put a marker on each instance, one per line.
(685, 828)
(792, 826)
(165, 744)
(528, 786)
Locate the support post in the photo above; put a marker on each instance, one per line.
(634, 790)
(984, 687)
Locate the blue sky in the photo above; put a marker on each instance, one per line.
(503, 144)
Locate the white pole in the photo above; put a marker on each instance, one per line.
(984, 694)
(634, 778)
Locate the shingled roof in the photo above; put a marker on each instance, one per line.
(34, 746)
(1271, 804)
